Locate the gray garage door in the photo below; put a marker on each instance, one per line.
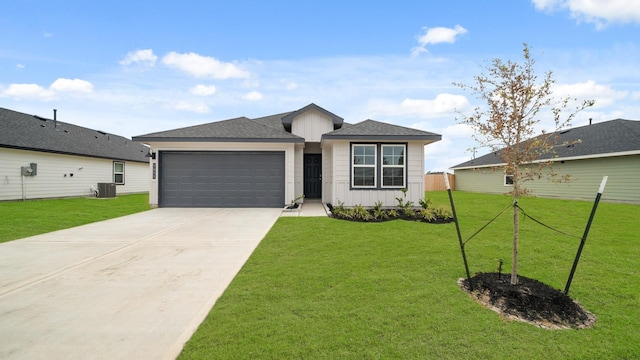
(221, 179)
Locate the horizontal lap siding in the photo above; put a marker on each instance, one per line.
(54, 178)
(623, 184)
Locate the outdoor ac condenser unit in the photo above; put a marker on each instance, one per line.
(106, 190)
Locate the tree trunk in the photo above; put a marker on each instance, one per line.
(516, 223)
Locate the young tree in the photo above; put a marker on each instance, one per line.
(514, 98)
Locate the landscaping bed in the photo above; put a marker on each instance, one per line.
(529, 301)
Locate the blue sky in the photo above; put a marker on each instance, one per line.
(136, 67)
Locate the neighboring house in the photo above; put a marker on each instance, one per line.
(610, 148)
(69, 160)
(271, 161)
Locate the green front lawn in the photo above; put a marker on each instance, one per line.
(332, 289)
(19, 219)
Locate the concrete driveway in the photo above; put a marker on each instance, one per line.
(135, 287)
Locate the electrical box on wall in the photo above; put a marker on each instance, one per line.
(31, 170)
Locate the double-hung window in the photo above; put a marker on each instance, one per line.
(118, 172)
(363, 165)
(378, 166)
(393, 168)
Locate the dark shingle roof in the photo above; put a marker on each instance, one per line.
(608, 137)
(272, 128)
(239, 129)
(376, 130)
(29, 132)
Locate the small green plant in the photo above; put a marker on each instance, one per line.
(378, 212)
(359, 212)
(409, 212)
(393, 213)
(296, 199)
(443, 213)
(402, 204)
(425, 203)
(427, 214)
(339, 210)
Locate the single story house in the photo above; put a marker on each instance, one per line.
(586, 153)
(47, 158)
(274, 160)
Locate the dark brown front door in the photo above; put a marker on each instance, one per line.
(312, 176)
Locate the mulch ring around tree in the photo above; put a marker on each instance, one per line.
(529, 301)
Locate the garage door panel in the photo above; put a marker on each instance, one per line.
(222, 179)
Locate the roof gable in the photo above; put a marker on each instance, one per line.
(29, 132)
(375, 130)
(596, 140)
(287, 120)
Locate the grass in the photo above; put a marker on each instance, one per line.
(330, 289)
(19, 219)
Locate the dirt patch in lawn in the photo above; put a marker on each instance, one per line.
(529, 301)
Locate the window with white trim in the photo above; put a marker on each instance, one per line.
(378, 166)
(508, 180)
(363, 165)
(393, 169)
(118, 172)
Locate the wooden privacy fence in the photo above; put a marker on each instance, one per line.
(434, 181)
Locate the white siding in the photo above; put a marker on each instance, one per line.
(311, 125)
(327, 174)
(341, 169)
(623, 184)
(63, 175)
(288, 148)
(298, 173)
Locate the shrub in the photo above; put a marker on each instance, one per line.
(425, 203)
(360, 213)
(443, 213)
(427, 214)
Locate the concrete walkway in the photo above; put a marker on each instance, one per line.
(311, 207)
(135, 287)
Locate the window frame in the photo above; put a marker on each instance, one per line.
(506, 178)
(115, 173)
(366, 166)
(403, 166)
(378, 168)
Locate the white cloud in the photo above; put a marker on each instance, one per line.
(604, 95)
(20, 66)
(144, 57)
(28, 91)
(437, 35)
(252, 96)
(442, 104)
(204, 66)
(71, 85)
(47, 34)
(203, 90)
(196, 107)
(599, 12)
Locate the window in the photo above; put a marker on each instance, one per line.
(364, 165)
(508, 180)
(118, 172)
(393, 166)
(377, 166)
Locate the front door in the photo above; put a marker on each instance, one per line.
(312, 176)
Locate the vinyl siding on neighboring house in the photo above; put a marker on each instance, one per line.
(623, 184)
(341, 170)
(61, 175)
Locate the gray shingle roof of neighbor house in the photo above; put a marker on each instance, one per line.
(239, 129)
(613, 137)
(29, 132)
(375, 130)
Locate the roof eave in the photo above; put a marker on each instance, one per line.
(429, 138)
(144, 139)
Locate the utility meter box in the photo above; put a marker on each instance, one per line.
(31, 170)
